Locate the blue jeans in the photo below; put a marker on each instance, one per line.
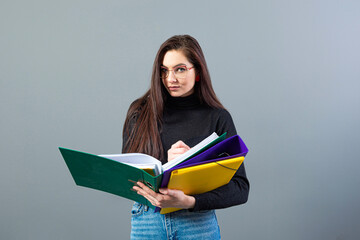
(183, 224)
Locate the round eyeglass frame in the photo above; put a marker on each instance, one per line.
(173, 70)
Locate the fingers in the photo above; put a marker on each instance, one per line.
(147, 193)
(180, 144)
(170, 192)
(163, 190)
(178, 199)
(161, 199)
(166, 197)
(177, 149)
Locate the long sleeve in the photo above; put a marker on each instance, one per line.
(188, 120)
(237, 190)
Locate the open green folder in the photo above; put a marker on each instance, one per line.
(109, 174)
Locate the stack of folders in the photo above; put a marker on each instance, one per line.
(205, 167)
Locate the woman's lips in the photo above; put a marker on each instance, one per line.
(173, 88)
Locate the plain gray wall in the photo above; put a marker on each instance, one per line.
(288, 71)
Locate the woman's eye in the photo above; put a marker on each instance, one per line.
(164, 70)
(180, 69)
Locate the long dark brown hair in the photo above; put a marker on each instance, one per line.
(144, 118)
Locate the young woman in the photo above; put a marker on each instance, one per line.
(178, 111)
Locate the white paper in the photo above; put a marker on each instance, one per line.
(138, 160)
(192, 150)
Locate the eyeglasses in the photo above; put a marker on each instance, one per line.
(179, 71)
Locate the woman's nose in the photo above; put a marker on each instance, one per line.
(171, 77)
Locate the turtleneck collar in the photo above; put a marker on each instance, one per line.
(188, 102)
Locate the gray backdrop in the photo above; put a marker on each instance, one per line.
(286, 70)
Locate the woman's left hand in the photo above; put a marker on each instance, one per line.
(166, 198)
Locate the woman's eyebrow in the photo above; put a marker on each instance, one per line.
(180, 64)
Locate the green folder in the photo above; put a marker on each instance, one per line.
(113, 176)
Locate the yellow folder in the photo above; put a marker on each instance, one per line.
(202, 178)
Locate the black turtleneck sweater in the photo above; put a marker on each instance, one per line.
(186, 119)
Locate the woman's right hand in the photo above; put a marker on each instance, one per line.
(177, 149)
(166, 197)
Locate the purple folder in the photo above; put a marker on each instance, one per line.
(229, 148)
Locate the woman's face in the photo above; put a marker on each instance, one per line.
(180, 81)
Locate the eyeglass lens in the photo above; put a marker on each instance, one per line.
(179, 72)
